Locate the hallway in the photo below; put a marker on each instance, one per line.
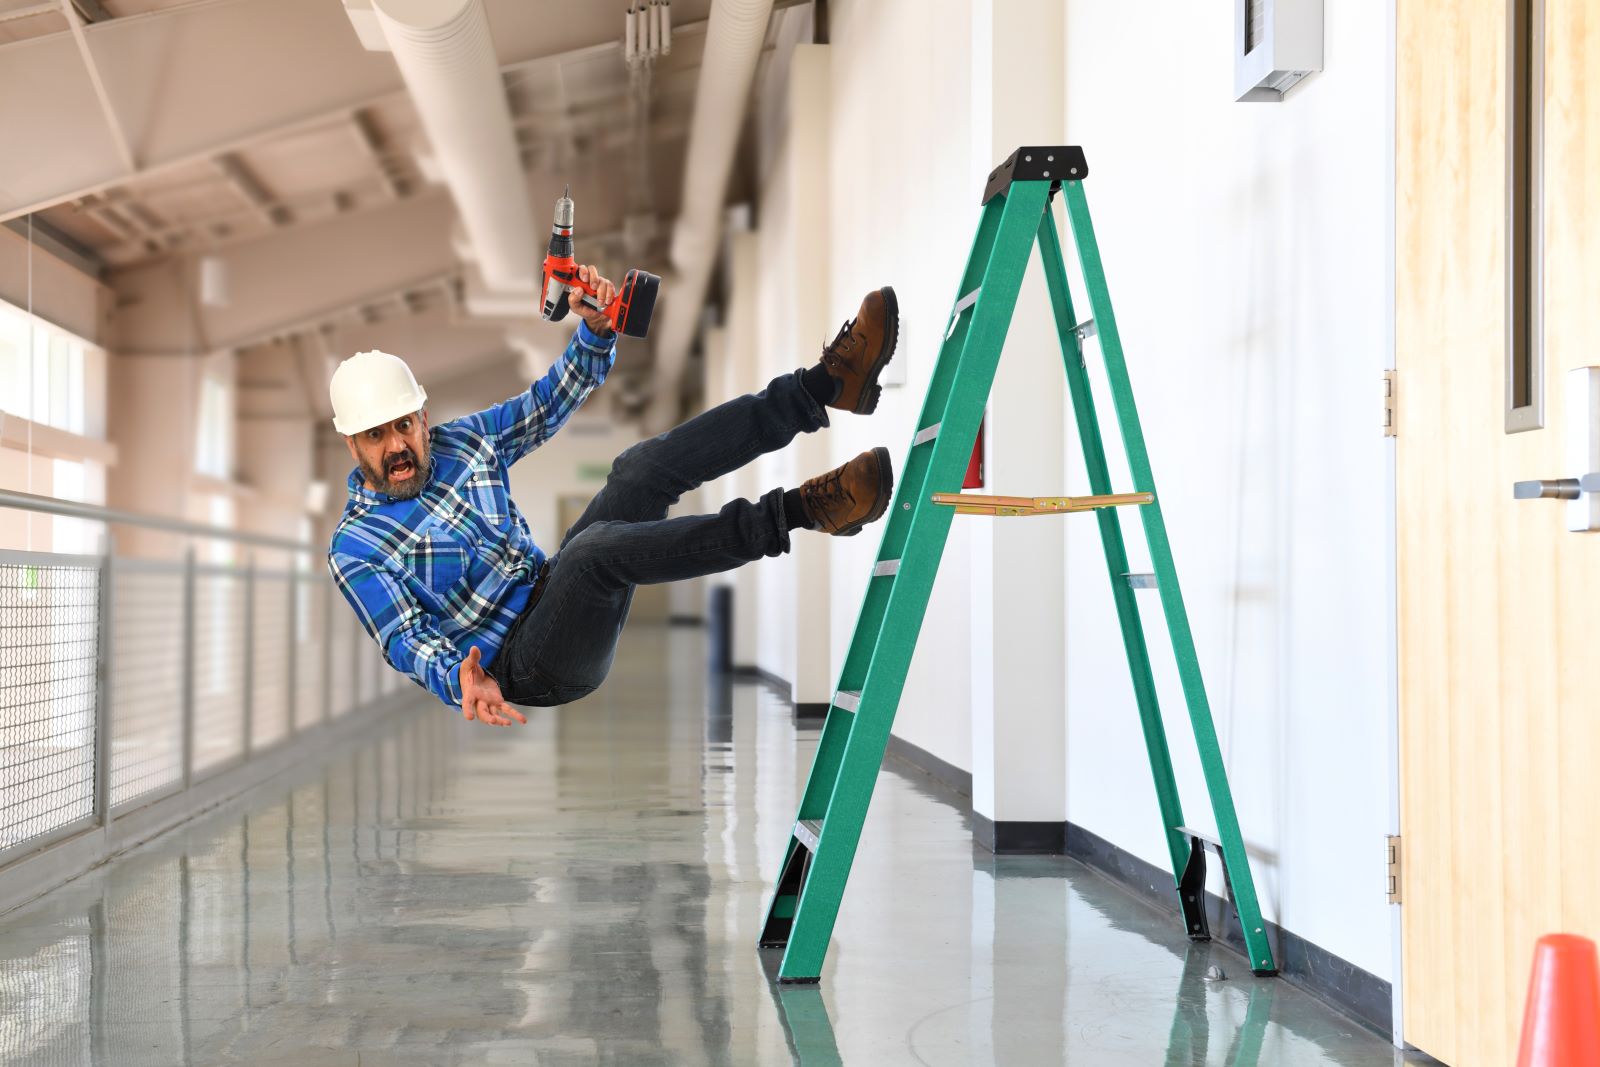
(587, 890)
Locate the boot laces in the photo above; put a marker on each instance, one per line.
(841, 340)
(829, 490)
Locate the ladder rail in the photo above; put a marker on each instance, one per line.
(837, 725)
(1177, 618)
(1017, 214)
(1114, 548)
(839, 721)
(919, 547)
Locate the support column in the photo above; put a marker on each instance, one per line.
(809, 139)
(1018, 565)
(742, 373)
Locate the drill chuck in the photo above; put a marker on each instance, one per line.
(561, 229)
(630, 311)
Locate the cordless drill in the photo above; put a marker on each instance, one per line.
(635, 301)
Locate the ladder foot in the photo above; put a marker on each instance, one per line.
(1266, 972)
(802, 981)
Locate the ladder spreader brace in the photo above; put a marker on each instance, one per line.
(855, 734)
(973, 504)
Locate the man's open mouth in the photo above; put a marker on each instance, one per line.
(401, 469)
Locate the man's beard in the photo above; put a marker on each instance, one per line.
(410, 487)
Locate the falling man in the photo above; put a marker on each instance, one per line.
(441, 567)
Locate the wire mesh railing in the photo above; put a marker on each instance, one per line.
(147, 662)
(270, 684)
(127, 681)
(49, 637)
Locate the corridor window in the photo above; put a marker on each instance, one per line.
(49, 376)
(214, 447)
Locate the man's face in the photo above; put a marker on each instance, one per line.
(394, 457)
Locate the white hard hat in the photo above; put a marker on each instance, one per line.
(370, 389)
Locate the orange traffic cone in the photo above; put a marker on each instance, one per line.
(1561, 1024)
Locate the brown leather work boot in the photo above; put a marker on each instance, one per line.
(862, 349)
(848, 497)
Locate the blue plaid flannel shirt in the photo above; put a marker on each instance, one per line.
(432, 577)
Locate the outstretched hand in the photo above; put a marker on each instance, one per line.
(480, 696)
(604, 292)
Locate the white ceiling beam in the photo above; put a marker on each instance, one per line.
(247, 184)
(289, 279)
(286, 65)
(368, 137)
(93, 11)
(28, 11)
(110, 113)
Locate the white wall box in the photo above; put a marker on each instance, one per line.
(1276, 43)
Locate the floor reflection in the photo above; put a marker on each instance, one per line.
(806, 1026)
(589, 890)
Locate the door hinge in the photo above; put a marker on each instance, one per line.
(1388, 403)
(1393, 841)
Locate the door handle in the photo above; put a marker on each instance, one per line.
(1581, 453)
(1553, 488)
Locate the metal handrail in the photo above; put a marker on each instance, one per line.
(76, 510)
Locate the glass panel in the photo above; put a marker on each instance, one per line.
(60, 379)
(77, 388)
(1524, 216)
(39, 378)
(13, 361)
(49, 376)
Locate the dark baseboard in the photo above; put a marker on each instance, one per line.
(946, 774)
(1011, 838)
(1357, 993)
(804, 711)
(1361, 995)
(685, 620)
(750, 672)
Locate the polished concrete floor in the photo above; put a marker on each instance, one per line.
(588, 890)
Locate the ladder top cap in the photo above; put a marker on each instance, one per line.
(1037, 163)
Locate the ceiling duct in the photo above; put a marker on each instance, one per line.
(734, 35)
(447, 58)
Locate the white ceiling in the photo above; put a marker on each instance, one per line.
(240, 128)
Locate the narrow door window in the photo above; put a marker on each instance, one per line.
(1524, 215)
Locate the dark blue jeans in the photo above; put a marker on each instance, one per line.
(562, 647)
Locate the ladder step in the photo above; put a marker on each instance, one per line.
(961, 305)
(1209, 839)
(807, 831)
(1017, 217)
(978, 504)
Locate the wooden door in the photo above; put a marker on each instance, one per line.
(1499, 606)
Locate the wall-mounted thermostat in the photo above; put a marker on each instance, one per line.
(1276, 43)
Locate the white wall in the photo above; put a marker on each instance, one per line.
(569, 464)
(1244, 248)
(903, 211)
(776, 351)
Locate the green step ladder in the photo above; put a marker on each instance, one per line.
(855, 734)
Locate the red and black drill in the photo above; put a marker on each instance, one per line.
(635, 302)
